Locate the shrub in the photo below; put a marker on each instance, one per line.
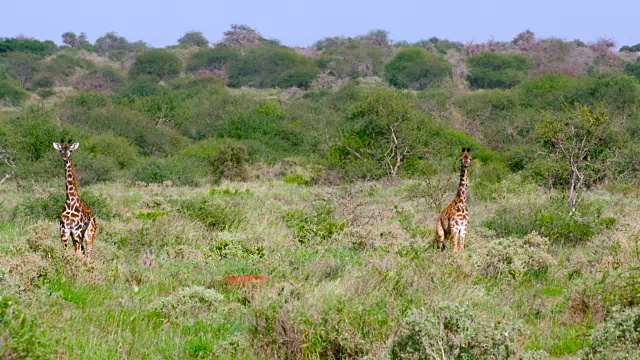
(50, 207)
(158, 63)
(193, 38)
(11, 94)
(321, 225)
(103, 80)
(215, 215)
(231, 246)
(188, 301)
(115, 148)
(37, 47)
(491, 70)
(452, 331)
(550, 219)
(514, 257)
(211, 60)
(64, 66)
(271, 66)
(178, 171)
(297, 178)
(219, 158)
(416, 69)
(131, 125)
(617, 338)
(21, 335)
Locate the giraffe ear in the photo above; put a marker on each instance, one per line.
(57, 146)
(74, 146)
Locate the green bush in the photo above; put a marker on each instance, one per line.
(193, 38)
(209, 60)
(219, 158)
(321, 225)
(50, 207)
(514, 257)
(231, 246)
(126, 123)
(22, 336)
(115, 148)
(158, 63)
(64, 66)
(37, 47)
(11, 94)
(453, 332)
(617, 338)
(490, 70)
(269, 66)
(550, 219)
(178, 171)
(417, 69)
(102, 80)
(214, 214)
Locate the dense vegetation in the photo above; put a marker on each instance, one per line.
(322, 168)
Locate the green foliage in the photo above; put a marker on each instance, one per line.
(214, 214)
(416, 69)
(158, 63)
(64, 66)
(491, 70)
(11, 94)
(103, 80)
(187, 301)
(297, 178)
(617, 338)
(551, 220)
(193, 38)
(514, 257)
(580, 136)
(452, 331)
(131, 125)
(228, 246)
(23, 66)
(50, 207)
(220, 158)
(270, 66)
(112, 45)
(320, 225)
(173, 169)
(210, 60)
(22, 335)
(36, 47)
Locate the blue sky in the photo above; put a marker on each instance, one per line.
(299, 23)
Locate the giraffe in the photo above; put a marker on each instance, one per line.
(453, 220)
(77, 217)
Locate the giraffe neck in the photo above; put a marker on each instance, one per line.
(462, 187)
(70, 181)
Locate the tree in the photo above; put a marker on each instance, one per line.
(579, 136)
(270, 66)
(416, 68)
(158, 63)
(193, 38)
(23, 66)
(376, 38)
(386, 131)
(212, 60)
(489, 70)
(111, 42)
(242, 36)
(70, 38)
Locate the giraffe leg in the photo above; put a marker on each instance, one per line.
(463, 235)
(89, 236)
(64, 236)
(77, 241)
(439, 235)
(454, 240)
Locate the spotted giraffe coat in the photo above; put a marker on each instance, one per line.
(454, 219)
(77, 220)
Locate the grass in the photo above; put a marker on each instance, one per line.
(347, 265)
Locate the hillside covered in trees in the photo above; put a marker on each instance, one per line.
(322, 168)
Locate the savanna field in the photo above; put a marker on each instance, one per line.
(257, 201)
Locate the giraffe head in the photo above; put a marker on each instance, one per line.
(66, 148)
(466, 157)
